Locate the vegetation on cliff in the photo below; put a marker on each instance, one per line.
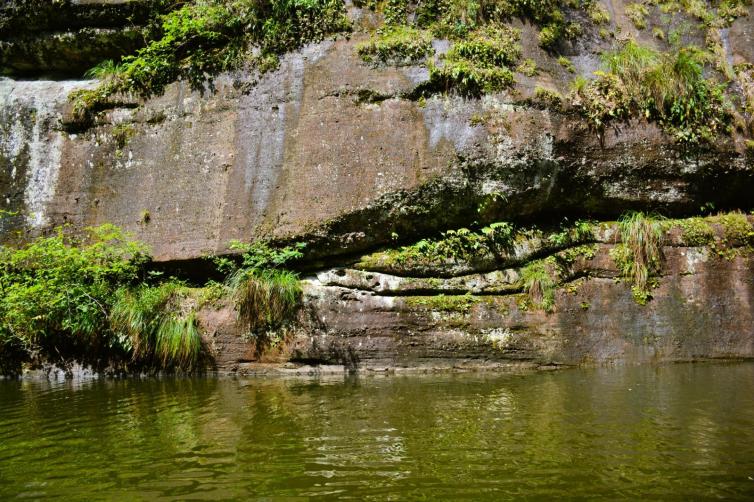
(688, 91)
(638, 255)
(266, 294)
(91, 298)
(669, 89)
(202, 38)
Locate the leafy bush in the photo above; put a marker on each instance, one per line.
(55, 292)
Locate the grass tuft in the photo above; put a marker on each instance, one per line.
(267, 299)
(155, 321)
(639, 255)
(539, 283)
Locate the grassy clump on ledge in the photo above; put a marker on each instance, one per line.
(669, 89)
(202, 38)
(639, 254)
(266, 294)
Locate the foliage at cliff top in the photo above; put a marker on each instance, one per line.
(201, 38)
(485, 50)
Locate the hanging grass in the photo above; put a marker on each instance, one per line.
(177, 341)
(539, 282)
(266, 299)
(639, 255)
(158, 326)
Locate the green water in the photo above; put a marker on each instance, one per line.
(672, 432)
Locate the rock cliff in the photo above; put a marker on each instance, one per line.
(353, 157)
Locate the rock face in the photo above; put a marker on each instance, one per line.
(341, 155)
(68, 37)
(702, 308)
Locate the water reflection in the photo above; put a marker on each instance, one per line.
(674, 431)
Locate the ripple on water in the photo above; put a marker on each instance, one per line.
(625, 433)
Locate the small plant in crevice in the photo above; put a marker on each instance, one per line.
(539, 282)
(637, 13)
(639, 254)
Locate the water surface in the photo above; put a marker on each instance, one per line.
(671, 432)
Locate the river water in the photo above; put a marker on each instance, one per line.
(669, 432)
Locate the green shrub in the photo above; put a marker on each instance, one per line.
(55, 292)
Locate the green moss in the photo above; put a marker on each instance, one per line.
(484, 48)
(736, 227)
(586, 251)
(122, 134)
(395, 11)
(458, 304)
(397, 45)
(696, 231)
